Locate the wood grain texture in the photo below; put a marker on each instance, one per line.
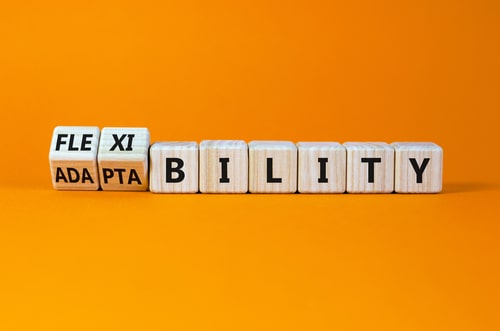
(313, 156)
(358, 167)
(418, 167)
(73, 158)
(283, 155)
(123, 159)
(187, 152)
(228, 155)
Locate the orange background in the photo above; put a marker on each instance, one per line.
(291, 70)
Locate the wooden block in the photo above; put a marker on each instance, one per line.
(123, 159)
(419, 167)
(322, 167)
(73, 158)
(272, 167)
(174, 167)
(223, 166)
(370, 167)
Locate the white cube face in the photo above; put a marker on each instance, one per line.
(272, 167)
(418, 167)
(73, 158)
(174, 167)
(370, 167)
(123, 159)
(322, 167)
(223, 166)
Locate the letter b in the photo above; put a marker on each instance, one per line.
(171, 169)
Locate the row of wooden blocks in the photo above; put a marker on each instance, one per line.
(122, 159)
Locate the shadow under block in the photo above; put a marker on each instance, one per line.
(123, 159)
(418, 167)
(272, 167)
(322, 167)
(174, 167)
(370, 167)
(73, 158)
(223, 166)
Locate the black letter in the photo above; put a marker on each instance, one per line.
(85, 141)
(130, 138)
(60, 141)
(60, 175)
(270, 178)
(120, 174)
(71, 140)
(371, 166)
(176, 169)
(322, 170)
(72, 179)
(86, 175)
(106, 174)
(223, 163)
(419, 170)
(134, 177)
(118, 142)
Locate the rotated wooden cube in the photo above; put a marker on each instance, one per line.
(73, 158)
(123, 159)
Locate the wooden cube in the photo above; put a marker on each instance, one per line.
(322, 167)
(272, 167)
(418, 168)
(73, 158)
(370, 167)
(123, 159)
(174, 167)
(223, 166)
